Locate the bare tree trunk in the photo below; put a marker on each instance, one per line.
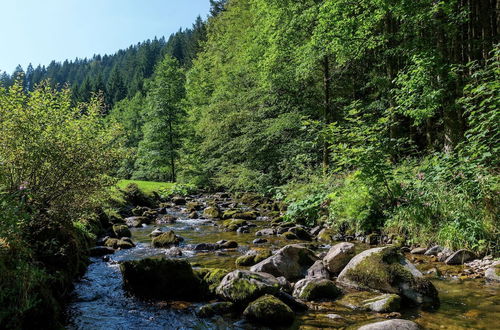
(327, 116)
(172, 156)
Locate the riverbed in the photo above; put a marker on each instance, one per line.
(99, 301)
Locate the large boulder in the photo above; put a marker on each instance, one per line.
(166, 240)
(161, 278)
(270, 311)
(395, 324)
(291, 262)
(384, 269)
(316, 289)
(492, 274)
(460, 257)
(243, 286)
(338, 257)
(252, 257)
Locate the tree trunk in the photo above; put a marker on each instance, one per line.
(172, 156)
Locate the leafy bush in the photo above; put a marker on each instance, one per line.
(177, 189)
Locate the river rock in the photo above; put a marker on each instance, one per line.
(433, 251)
(193, 215)
(326, 235)
(252, 257)
(460, 257)
(295, 304)
(338, 257)
(259, 241)
(418, 250)
(266, 232)
(243, 286)
(206, 247)
(270, 311)
(291, 261)
(125, 244)
(166, 240)
(178, 200)
(99, 251)
(155, 233)
(386, 303)
(492, 274)
(174, 252)
(234, 224)
(217, 308)
(112, 243)
(301, 233)
(309, 289)
(229, 245)
(121, 231)
(318, 270)
(211, 278)
(289, 235)
(395, 324)
(211, 212)
(161, 278)
(167, 218)
(136, 222)
(384, 269)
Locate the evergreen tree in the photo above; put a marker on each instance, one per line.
(159, 150)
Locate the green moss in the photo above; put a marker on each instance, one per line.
(289, 235)
(166, 240)
(245, 261)
(211, 277)
(320, 289)
(269, 310)
(218, 308)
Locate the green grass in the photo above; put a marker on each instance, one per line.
(147, 187)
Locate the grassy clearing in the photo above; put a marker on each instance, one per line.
(147, 187)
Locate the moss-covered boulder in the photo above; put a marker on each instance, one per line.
(211, 212)
(460, 257)
(217, 308)
(384, 269)
(253, 257)
(310, 289)
(291, 262)
(243, 286)
(234, 224)
(121, 231)
(162, 278)
(166, 240)
(112, 243)
(211, 278)
(270, 311)
(326, 235)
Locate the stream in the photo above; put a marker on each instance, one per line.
(99, 301)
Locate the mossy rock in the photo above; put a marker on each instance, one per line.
(326, 235)
(162, 278)
(301, 233)
(211, 278)
(243, 286)
(234, 224)
(270, 311)
(229, 214)
(121, 231)
(289, 235)
(252, 259)
(211, 212)
(384, 269)
(310, 289)
(386, 303)
(124, 244)
(112, 243)
(217, 308)
(166, 240)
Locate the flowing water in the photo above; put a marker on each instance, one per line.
(99, 301)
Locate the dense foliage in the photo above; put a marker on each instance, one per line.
(54, 159)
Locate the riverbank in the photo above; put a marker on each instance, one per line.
(100, 300)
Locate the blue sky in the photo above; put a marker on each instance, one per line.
(39, 31)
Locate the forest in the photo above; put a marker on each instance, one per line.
(371, 116)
